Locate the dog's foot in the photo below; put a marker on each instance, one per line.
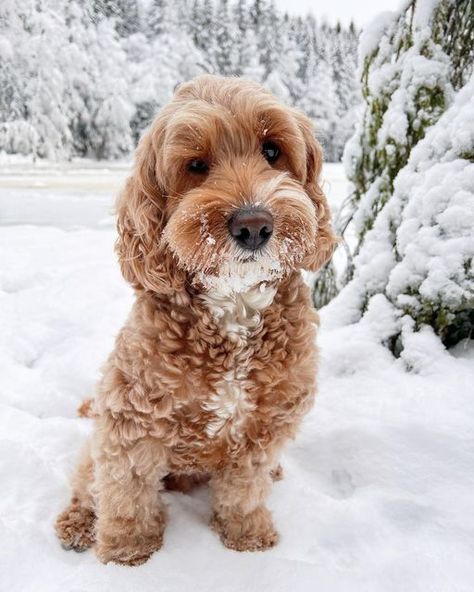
(253, 532)
(129, 551)
(126, 547)
(75, 527)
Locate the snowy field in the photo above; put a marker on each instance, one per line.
(378, 488)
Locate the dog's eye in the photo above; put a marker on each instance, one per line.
(198, 166)
(270, 151)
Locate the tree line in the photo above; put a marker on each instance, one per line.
(84, 78)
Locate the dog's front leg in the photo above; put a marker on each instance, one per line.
(240, 516)
(130, 512)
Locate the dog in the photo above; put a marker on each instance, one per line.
(215, 367)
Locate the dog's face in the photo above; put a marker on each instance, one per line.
(225, 189)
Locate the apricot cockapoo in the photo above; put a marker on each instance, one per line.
(215, 366)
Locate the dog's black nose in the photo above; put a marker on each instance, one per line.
(251, 228)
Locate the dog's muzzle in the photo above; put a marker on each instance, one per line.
(251, 228)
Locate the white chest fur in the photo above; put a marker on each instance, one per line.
(239, 314)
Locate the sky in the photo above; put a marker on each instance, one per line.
(343, 10)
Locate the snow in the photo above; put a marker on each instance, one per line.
(377, 491)
(434, 237)
(423, 13)
(372, 33)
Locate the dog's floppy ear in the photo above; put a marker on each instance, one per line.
(144, 262)
(325, 241)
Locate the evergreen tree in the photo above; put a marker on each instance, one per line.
(100, 9)
(203, 29)
(11, 96)
(156, 18)
(244, 40)
(256, 11)
(44, 89)
(268, 35)
(111, 135)
(346, 89)
(127, 19)
(319, 102)
(224, 56)
(411, 209)
(248, 60)
(285, 68)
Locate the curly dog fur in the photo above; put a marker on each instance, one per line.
(215, 366)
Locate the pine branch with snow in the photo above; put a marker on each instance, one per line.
(411, 161)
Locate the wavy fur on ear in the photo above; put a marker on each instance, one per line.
(326, 240)
(140, 222)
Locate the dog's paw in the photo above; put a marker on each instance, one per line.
(129, 551)
(75, 528)
(253, 532)
(121, 544)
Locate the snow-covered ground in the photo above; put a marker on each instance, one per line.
(378, 487)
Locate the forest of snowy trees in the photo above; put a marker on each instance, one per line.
(85, 77)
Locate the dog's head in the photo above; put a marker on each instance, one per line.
(225, 187)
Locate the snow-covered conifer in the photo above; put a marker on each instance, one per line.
(412, 165)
